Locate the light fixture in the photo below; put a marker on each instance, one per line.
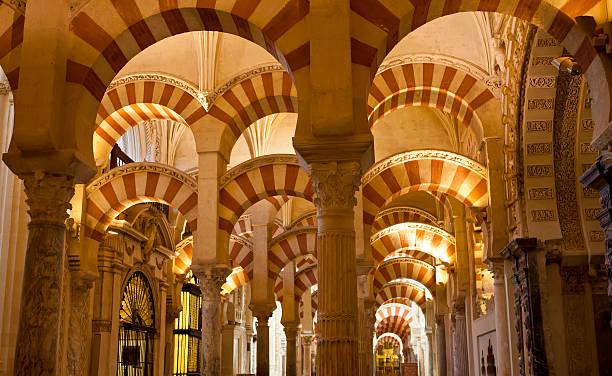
(112, 232)
(567, 64)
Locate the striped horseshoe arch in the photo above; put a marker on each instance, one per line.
(307, 220)
(433, 85)
(11, 38)
(402, 214)
(304, 261)
(257, 179)
(290, 245)
(390, 339)
(403, 288)
(237, 278)
(255, 98)
(393, 269)
(241, 254)
(134, 99)
(243, 227)
(423, 170)
(406, 236)
(184, 256)
(305, 279)
(135, 183)
(393, 318)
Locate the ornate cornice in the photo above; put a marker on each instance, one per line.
(293, 232)
(424, 154)
(493, 82)
(255, 163)
(142, 167)
(202, 97)
(408, 226)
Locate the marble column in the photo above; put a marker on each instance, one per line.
(502, 342)
(80, 331)
(211, 279)
(291, 336)
(263, 340)
(369, 308)
(430, 352)
(337, 341)
(599, 178)
(307, 362)
(38, 337)
(460, 351)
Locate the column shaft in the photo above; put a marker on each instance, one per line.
(337, 340)
(291, 336)
(227, 346)
(263, 343)
(441, 350)
(211, 279)
(460, 343)
(501, 318)
(307, 362)
(79, 334)
(39, 316)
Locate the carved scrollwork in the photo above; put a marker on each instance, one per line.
(335, 184)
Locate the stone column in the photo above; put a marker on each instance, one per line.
(502, 344)
(369, 307)
(39, 316)
(522, 252)
(211, 279)
(227, 346)
(291, 336)
(335, 185)
(263, 340)
(599, 178)
(307, 362)
(79, 333)
(441, 350)
(460, 359)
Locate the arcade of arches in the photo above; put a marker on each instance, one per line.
(295, 187)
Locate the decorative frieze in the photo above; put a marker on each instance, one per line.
(547, 42)
(539, 126)
(543, 82)
(539, 148)
(590, 214)
(596, 236)
(586, 148)
(541, 104)
(542, 215)
(544, 193)
(541, 60)
(587, 124)
(539, 171)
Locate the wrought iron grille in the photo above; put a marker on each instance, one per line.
(137, 328)
(188, 331)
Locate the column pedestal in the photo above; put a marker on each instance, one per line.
(291, 336)
(211, 279)
(337, 340)
(39, 316)
(263, 340)
(502, 341)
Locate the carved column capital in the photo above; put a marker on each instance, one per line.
(496, 266)
(307, 339)
(335, 184)
(210, 278)
(48, 196)
(262, 312)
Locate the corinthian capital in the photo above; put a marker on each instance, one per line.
(335, 184)
(48, 196)
(211, 279)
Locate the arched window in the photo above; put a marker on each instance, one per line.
(188, 330)
(137, 328)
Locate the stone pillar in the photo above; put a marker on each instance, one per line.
(441, 350)
(39, 316)
(460, 359)
(522, 253)
(369, 308)
(599, 178)
(291, 336)
(502, 344)
(227, 347)
(211, 279)
(263, 340)
(430, 356)
(79, 333)
(307, 362)
(337, 341)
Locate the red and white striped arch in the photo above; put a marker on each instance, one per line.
(390, 339)
(241, 254)
(314, 304)
(423, 170)
(257, 179)
(126, 105)
(307, 220)
(237, 278)
(290, 245)
(402, 289)
(135, 183)
(405, 236)
(11, 38)
(404, 268)
(305, 279)
(304, 261)
(393, 318)
(184, 256)
(393, 216)
(108, 34)
(253, 99)
(244, 227)
(433, 85)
